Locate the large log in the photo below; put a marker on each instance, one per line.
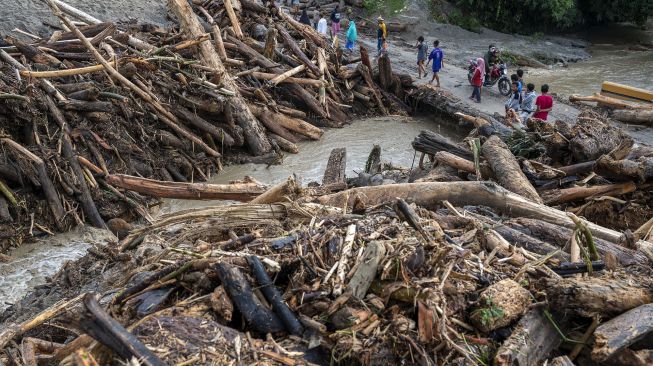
(560, 196)
(336, 166)
(506, 169)
(430, 142)
(465, 165)
(530, 342)
(560, 236)
(193, 191)
(289, 123)
(618, 333)
(469, 193)
(610, 102)
(254, 132)
(290, 43)
(593, 296)
(385, 73)
(203, 125)
(639, 117)
(640, 170)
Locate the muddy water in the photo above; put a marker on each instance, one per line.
(32, 263)
(393, 134)
(613, 59)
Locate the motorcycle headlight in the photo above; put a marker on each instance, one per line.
(505, 71)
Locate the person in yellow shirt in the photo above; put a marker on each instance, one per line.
(381, 34)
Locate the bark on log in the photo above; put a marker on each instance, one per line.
(46, 184)
(260, 318)
(640, 170)
(506, 169)
(580, 168)
(639, 117)
(385, 73)
(290, 42)
(506, 295)
(465, 165)
(560, 236)
(466, 193)
(106, 330)
(610, 102)
(288, 123)
(618, 333)
(231, 13)
(560, 196)
(287, 80)
(284, 144)
(267, 119)
(271, 293)
(253, 131)
(86, 200)
(430, 142)
(593, 296)
(90, 94)
(530, 343)
(196, 191)
(205, 126)
(367, 76)
(84, 106)
(361, 280)
(336, 167)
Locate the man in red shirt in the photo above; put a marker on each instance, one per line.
(544, 104)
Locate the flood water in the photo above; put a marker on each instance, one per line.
(613, 59)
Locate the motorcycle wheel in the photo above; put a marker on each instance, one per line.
(504, 87)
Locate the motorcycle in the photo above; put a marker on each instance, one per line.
(498, 75)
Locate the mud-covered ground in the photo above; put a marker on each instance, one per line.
(34, 15)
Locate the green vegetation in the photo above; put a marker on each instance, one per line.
(489, 312)
(529, 16)
(384, 7)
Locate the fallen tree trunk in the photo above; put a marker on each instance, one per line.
(640, 170)
(289, 123)
(610, 102)
(465, 165)
(506, 169)
(640, 117)
(253, 131)
(194, 191)
(560, 196)
(618, 333)
(468, 193)
(593, 296)
(530, 343)
(430, 142)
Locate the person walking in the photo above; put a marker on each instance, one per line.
(477, 79)
(437, 56)
(352, 36)
(335, 21)
(381, 34)
(322, 26)
(422, 51)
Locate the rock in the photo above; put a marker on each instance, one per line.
(119, 227)
(500, 304)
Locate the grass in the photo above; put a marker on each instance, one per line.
(385, 8)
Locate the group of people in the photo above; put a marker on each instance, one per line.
(320, 23)
(436, 56)
(527, 103)
(524, 102)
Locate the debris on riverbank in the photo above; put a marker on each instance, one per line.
(103, 99)
(366, 271)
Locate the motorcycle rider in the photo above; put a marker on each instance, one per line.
(491, 58)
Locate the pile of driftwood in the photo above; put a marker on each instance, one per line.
(303, 276)
(620, 110)
(235, 79)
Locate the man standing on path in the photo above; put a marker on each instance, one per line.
(437, 56)
(381, 33)
(544, 104)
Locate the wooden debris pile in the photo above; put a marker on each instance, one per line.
(305, 276)
(234, 82)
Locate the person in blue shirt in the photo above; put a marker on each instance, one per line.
(437, 56)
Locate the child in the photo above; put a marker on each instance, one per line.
(515, 79)
(437, 56)
(477, 79)
(544, 104)
(520, 74)
(514, 99)
(528, 102)
(384, 48)
(422, 50)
